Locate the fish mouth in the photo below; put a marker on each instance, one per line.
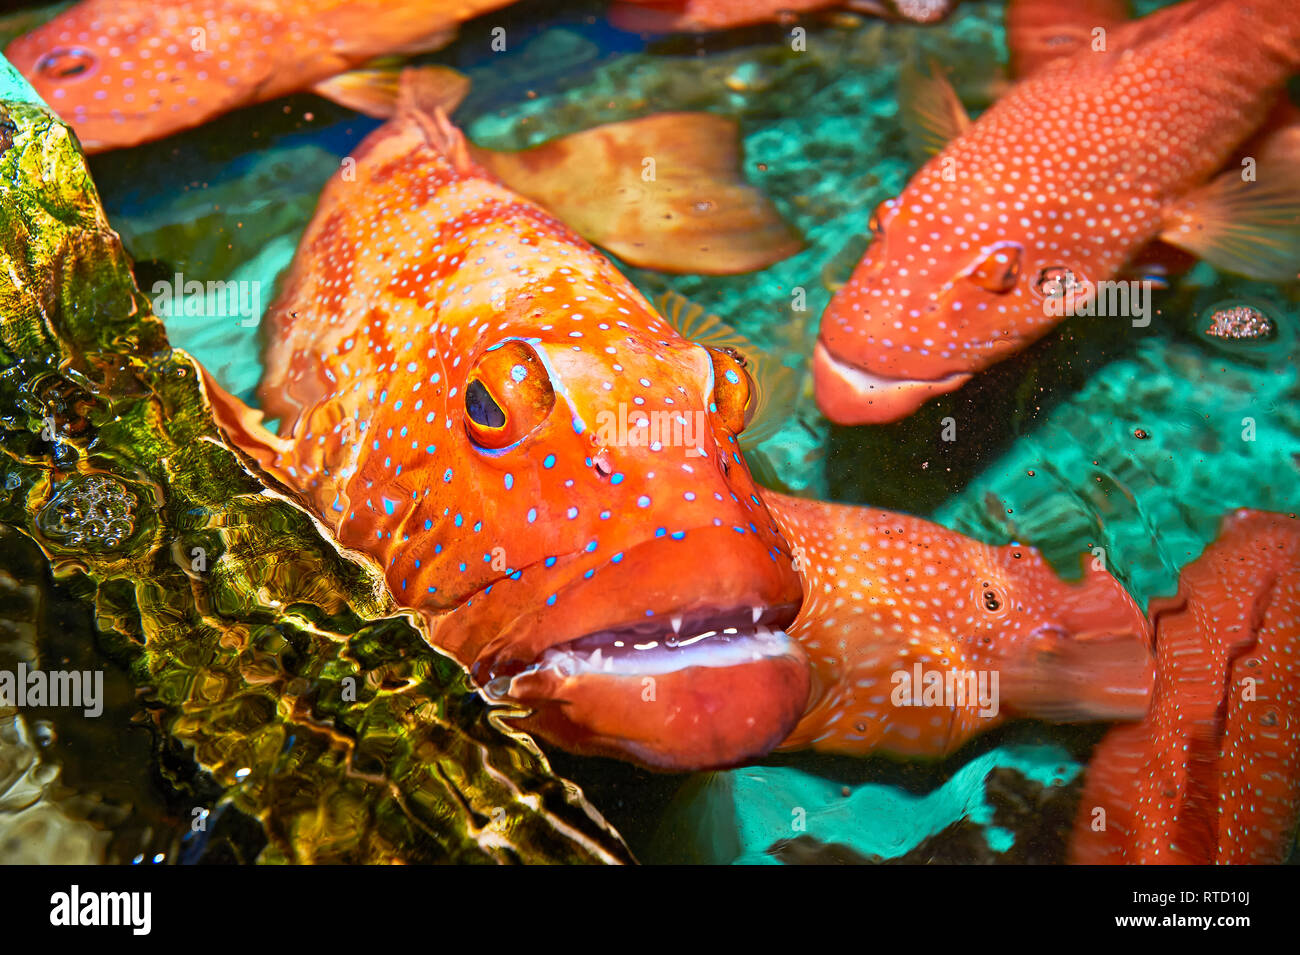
(704, 689)
(709, 638)
(848, 394)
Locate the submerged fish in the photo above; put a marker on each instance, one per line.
(1108, 143)
(919, 638)
(656, 16)
(553, 475)
(1213, 773)
(124, 72)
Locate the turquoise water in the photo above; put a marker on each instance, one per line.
(1131, 441)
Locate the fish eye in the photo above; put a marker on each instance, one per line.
(735, 398)
(481, 408)
(881, 217)
(65, 62)
(507, 395)
(998, 268)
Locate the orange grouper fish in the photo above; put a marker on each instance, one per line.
(552, 475)
(124, 72)
(1109, 142)
(1213, 773)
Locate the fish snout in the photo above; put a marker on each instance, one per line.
(676, 657)
(849, 394)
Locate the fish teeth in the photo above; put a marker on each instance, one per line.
(677, 624)
(758, 612)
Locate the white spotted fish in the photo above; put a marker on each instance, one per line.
(552, 474)
(1110, 141)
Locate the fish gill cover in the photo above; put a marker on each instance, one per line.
(296, 713)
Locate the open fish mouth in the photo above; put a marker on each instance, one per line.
(709, 638)
(700, 690)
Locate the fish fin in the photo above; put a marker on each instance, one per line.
(932, 114)
(424, 96)
(777, 384)
(429, 42)
(374, 90)
(661, 192)
(1042, 31)
(1246, 225)
(243, 425)
(1097, 665)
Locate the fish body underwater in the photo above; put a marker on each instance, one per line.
(1212, 774)
(551, 473)
(124, 72)
(1110, 141)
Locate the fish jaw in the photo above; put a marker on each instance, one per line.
(851, 395)
(730, 701)
(710, 679)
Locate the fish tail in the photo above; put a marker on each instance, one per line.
(425, 95)
(1093, 663)
(664, 192)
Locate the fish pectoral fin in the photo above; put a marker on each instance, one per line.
(776, 383)
(661, 192)
(242, 424)
(374, 90)
(434, 40)
(1043, 31)
(932, 113)
(1247, 220)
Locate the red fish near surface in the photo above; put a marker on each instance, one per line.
(1108, 143)
(1213, 774)
(124, 72)
(443, 356)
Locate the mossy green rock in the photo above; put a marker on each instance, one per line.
(304, 698)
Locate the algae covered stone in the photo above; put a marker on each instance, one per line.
(274, 667)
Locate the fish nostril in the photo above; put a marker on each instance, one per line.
(602, 463)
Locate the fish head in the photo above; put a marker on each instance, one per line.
(605, 560)
(950, 285)
(122, 72)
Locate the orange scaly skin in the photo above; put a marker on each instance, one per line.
(885, 592)
(124, 72)
(423, 275)
(1078, 166)
(1212, 774)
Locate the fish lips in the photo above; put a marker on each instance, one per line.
(851, 395)
(726, 689)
